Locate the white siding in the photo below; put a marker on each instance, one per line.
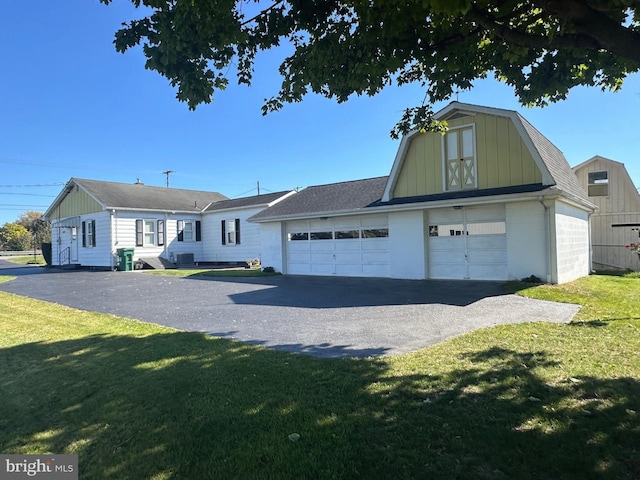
(88, 256)
(215, 251)
(407, 245)
(124, 235)
(272, 238)
(527, 240)
(572, 242)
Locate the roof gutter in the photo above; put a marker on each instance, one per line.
(506, 198)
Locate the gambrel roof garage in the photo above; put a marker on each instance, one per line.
(493, 199)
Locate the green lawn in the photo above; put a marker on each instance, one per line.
(27, 259)
(138, 401)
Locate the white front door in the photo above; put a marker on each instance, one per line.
(74, 244)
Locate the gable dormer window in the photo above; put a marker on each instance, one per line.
(459, 149)
(598, 184)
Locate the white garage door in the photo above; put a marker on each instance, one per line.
(468, 243)
(343, 246)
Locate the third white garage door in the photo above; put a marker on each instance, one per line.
(468, 243)
(343, 246)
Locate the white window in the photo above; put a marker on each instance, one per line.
(89, 233)
(146, 232)
(231, 232)
(188, 231)
(149, 232)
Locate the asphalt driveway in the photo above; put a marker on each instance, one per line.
(321, 316)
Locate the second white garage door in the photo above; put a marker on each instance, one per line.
(468, 243)
(342, 246)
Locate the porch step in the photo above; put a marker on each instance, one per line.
(157, 263)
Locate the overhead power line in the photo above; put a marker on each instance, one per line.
(59, 184)
(27, 194)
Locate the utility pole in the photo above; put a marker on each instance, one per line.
(167, 173)
(258, 188)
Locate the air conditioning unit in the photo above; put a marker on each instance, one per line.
(185, 259)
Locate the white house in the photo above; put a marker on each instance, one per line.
(91, 220)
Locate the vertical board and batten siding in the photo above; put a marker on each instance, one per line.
(77, 202)
(124, 235)
(502, 158)
(621, 205)
(250, 245)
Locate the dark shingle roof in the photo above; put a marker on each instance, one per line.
(334, 197)
(555, 161)
(143, 197)
(246, 201)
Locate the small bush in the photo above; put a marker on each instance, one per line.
(269, 270)
(532, 279)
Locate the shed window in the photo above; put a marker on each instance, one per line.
(598, 184)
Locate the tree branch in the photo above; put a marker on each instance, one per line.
(261, 13)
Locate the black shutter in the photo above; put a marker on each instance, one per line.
(180, 230)
(237, 231)
(84, 234)
(93, 233)
(160, 233)
(198, 231)
(139, 233)
(224, 232)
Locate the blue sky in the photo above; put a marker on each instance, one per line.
(70, 106)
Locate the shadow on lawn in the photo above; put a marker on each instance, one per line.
(183, 405)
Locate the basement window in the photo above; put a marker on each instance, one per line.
(598, 184)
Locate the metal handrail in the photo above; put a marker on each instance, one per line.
(65, 257)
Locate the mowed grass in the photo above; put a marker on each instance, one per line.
(27, 259)
(139, 401)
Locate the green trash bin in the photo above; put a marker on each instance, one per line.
(125, 259)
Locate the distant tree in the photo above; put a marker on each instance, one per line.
(542, 48)
(14, 236)
(40, 229)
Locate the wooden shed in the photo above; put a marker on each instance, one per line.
(617, 221)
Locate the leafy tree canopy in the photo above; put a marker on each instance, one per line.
(39, 228)
(542, 48)
(14, 236)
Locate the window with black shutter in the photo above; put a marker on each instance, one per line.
(160, 233)
(139, 233)
(180, 224)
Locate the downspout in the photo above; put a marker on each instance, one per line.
(547, 236)
(164, 240)
(113, 223)
(591, 270)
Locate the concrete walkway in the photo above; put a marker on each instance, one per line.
(321, 316)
